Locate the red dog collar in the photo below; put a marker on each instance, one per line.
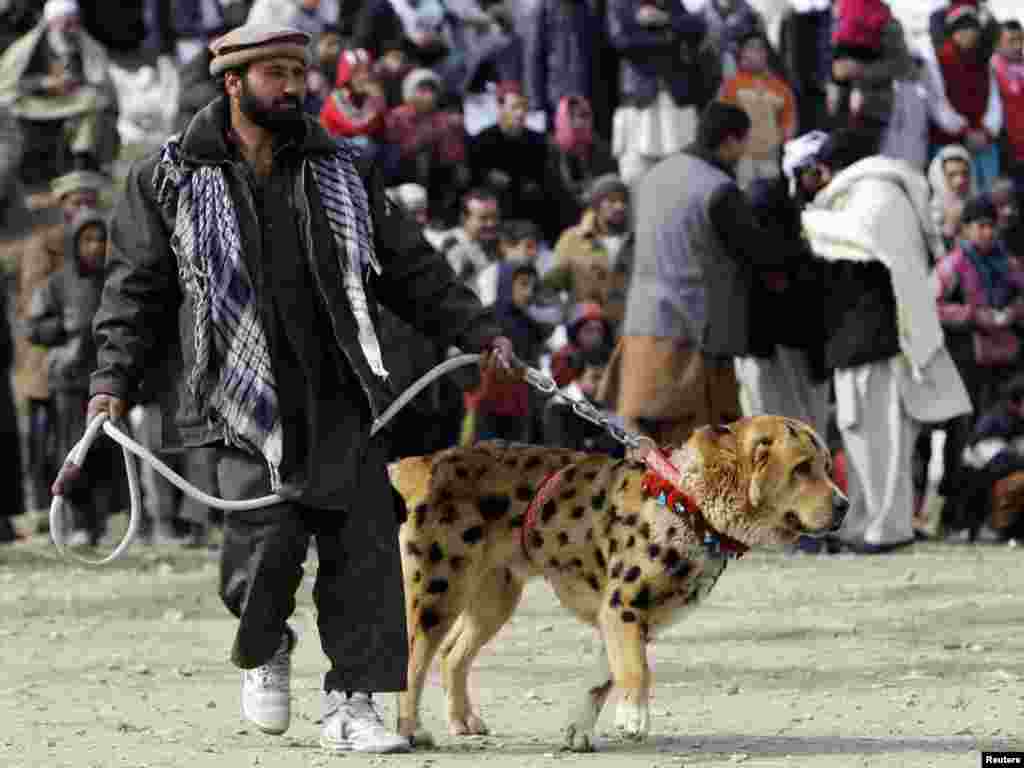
(668, 494)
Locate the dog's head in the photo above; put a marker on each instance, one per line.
(765, 480)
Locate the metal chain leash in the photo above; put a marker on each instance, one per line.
(546, 385)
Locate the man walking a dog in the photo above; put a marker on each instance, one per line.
(245, 263)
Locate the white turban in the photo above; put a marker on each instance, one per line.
(801, 151)
(55, 9)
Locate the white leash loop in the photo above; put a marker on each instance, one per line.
(131, 449)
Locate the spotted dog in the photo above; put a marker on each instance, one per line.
(622, 548)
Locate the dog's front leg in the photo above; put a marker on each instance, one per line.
(626, 640)
(579, 733)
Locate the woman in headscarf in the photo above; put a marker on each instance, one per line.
(576, 157)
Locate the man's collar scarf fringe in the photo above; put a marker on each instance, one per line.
(232, 379)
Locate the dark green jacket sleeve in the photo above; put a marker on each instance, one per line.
(140, 295)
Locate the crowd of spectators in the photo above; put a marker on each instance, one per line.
(524, 136)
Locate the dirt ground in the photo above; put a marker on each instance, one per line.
(913, 659)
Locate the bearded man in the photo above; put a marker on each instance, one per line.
(246, 262)
(57, 73)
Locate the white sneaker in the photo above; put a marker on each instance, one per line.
(266, 690)
(355, 725)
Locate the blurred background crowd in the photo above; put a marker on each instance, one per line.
(520, 135)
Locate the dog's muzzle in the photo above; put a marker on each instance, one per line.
(840, 506)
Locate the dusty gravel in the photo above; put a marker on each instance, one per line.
(915, 659)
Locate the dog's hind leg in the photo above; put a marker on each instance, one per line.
(427, 629)
(485, 613)
(579, 733)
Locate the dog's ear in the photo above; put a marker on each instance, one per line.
(760, 475)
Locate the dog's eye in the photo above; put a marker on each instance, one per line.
(804, 468)
(721, 429)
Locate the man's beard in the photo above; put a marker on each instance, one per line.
(282, 114)
(63, 42)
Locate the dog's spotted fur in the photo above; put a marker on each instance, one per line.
(614, 557)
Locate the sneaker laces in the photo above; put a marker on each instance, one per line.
(276, 673)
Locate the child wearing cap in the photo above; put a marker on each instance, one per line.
(769, 101)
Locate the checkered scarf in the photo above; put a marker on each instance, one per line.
(232, 379)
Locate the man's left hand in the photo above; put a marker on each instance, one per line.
(499, 360)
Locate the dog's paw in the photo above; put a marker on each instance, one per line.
(470, 725)
(417, 735)
(578, 738)
(421, 737)
(633, 721)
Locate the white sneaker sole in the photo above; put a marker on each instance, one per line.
(383, 749)
(273, 720)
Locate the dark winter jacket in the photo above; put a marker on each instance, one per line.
(62, 312)
(559, 54)
(144, 329)
(792, 299)
(654, 58)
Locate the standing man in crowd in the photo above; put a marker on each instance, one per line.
(57, 73)
(38, 257)
(870, 221)
(698, 254)
(246, 261)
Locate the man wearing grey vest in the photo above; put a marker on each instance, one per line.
(698, 253)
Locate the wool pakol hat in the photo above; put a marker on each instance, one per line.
(78, 181)
(254, 42)
(56, 9)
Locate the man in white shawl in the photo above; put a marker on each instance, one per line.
(57, 72)
(871, 222)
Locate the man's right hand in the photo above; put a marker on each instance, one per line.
(114, 407)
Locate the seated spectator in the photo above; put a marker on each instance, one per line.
(517, 244)
(870, 54)
(989, 494)
(57, 76)
(771, 105)
(310, 16)
(323, 71)
(576, 156)
(1008, 65)
(1004, 197)
(423, 27)
(502, 410)
(563, 428)
(587, 330)
(61, 318)
(972, 93)
(356, 108)
(428, 142)
(476, 243)
(952, 182)
(390, 70)
(589, 263)
(511, 159)
(413, 199)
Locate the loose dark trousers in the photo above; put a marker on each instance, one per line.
(358, 591)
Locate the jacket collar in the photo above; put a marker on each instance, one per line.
(205, 141)
(709, 157)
